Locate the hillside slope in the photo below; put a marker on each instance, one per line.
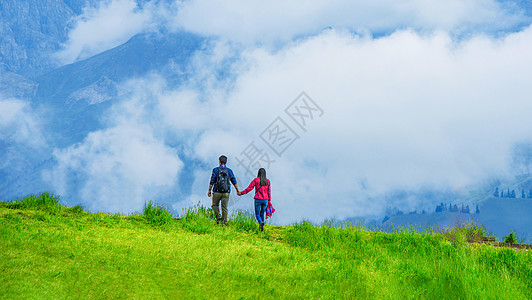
(59, 252)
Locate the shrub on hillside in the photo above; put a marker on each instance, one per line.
(513, 239)
(46, 201)
(156, 215)
(78, 209)
(465, 232)
(510, 239)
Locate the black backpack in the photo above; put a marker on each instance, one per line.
(222, 184)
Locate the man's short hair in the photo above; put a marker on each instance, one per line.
(223, 159)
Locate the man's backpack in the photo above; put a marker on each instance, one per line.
(222, 184)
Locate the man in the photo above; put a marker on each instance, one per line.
(220, 178)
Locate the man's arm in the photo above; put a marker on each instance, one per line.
(213, 180)
(209, 192)
(233, 181)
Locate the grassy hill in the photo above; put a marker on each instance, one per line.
(52, 251)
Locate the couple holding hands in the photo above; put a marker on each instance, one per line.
(221, 180)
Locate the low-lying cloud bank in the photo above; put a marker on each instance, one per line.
(400, 112)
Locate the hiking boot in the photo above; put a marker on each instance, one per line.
(261, 226)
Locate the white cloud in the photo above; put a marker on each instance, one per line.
(100, 28)
(116, 169)
(19, 124)
(258, 21)
(401, 112)
(113, 22)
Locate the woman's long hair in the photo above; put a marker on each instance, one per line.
(262, 176)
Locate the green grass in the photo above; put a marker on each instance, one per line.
(52, 251)
(156, 215)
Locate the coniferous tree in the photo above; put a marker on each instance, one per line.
(523, 193)
(477, 211)
(513, 194)
(530, 194)
(496, 194)
(467, 209)
(502, 194)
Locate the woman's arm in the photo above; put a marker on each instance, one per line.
(249, 188)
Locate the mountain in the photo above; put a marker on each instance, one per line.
(77, 93)
(13, 85)
(31, 30)
(75, 97)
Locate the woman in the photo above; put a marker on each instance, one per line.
(262, 195)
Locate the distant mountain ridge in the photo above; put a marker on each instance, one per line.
(95, 80)
(136, 57)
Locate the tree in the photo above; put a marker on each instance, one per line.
(513, 194)
(523, 193)
(477, 211)
(502, 194)
(508, 194)
(496, 194)
(530, 194)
